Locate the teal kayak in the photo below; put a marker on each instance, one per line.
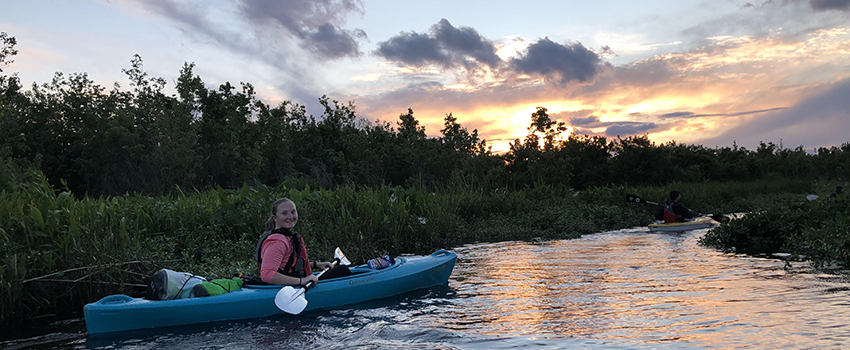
(116, 313)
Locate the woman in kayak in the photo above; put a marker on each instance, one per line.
(281, 253)
(673, 211)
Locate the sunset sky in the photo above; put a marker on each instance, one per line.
(703, 72)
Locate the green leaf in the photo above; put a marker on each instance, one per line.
(36, 215)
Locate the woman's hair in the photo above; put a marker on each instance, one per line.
(277, 203)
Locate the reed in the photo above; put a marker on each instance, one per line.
(60, 252)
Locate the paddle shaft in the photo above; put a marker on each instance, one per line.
(636, 199)
(311, 283)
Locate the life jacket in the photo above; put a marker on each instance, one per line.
(669, 215)
(296, 265)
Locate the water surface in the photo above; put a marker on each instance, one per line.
(627, 289)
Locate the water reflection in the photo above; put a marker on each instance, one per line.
(626, 289)
(632, 287)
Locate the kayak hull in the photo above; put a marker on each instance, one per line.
(116, 313)
(698, 223)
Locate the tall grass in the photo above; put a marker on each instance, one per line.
(60, 252)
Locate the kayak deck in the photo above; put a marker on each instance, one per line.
(120, 312)
(698, 223)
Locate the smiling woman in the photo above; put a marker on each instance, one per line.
(281, 253)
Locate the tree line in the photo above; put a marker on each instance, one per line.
(140, 140)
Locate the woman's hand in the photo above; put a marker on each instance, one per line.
(307, 279)
(323, 265)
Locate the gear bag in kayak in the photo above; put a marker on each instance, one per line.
(167, 284)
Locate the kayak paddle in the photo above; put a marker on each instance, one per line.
(635, 199)
(292, 301)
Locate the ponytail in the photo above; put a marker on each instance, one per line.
(270, 223)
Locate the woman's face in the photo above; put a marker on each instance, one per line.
(287, 216)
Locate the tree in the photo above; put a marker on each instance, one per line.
(7, 49)
(591, 156)
(529, 162)
(457, 139)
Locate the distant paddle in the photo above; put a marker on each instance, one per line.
(635, 199)
(812, 197)
(292, 301)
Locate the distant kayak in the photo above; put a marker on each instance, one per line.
(697, 223)
(120, 312)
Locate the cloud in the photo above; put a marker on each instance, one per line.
(558, 63)
(414, 49)
(330, 42)
(584, 125)
(586, 121)
(678, 115)
(688, 115)
(820, 121)
(446, 46)
(629, 128)
(644, 73)
(689, 95)
(826, 5)
(288, 38)
(315, 22)
(186, 15)
(467, 42)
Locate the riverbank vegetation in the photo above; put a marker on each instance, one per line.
(816, 230)
(99, 189)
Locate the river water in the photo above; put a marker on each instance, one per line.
(627, 289)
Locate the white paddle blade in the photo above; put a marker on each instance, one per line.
(812, 197)
(290, 300)
(342, 259)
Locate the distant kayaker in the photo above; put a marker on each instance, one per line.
(281, 253)
(838, 192)
(673, 211)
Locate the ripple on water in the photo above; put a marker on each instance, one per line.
(625, 289)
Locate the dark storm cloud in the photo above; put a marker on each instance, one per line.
(445, 45)
(313, 21)
(627, 128)
(558, 63)
(826, 5)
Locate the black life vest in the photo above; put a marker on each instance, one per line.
(295, 266)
